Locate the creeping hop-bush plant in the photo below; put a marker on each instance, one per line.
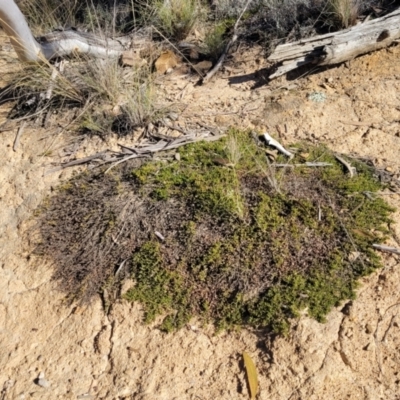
(218, 233)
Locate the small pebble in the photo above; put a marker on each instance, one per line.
(177, 157)
(369, 329)
(43, 383)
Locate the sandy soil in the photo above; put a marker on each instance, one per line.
(83, 353)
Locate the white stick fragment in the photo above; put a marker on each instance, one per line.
(159, 235)
(386, 249)
(272, 142)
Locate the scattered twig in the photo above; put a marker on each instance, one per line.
(356, 123)
(272, 142)
(306, 164)
(131, 157)
(386, 249)
(120, 268)
(221, 60)
(352, 170)
(84, 160)
(163, 145)
(391, 323)
(175, 128)
(59, 67)
(18, 136)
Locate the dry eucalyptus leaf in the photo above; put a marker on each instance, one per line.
(251, 375)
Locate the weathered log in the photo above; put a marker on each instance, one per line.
(337, 47)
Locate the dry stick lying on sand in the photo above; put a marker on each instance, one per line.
(306, 164)
(219, 63)
(18, 136)
(386, 249)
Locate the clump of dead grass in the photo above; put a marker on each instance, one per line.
(235, 251)
(344, 12)
(108, 17)
(108, 96)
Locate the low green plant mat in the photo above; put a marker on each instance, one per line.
(219, 234)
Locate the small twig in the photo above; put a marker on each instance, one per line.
(120, 268)
(173, 128)
(18, 136)
(352, 170)
(84, 159)
(307, 164)
(221, 60)
(58, 67)
(122, 161)
(388, 328)
(386, 249)
(272, 142)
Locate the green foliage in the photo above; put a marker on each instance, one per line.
(215, 39)
(236, 251)
(176, 18)
(158, 289)
(266, 234)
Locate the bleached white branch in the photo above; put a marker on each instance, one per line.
(272, 142)
(57, 44)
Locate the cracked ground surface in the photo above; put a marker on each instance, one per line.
(85, 353)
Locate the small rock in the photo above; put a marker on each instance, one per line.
(330, 79)
(389, 169)
(43, 383)
(177, 157)
(369, 329)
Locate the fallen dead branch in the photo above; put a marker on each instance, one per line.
(337, 47)
(221, 60)
(61, 43)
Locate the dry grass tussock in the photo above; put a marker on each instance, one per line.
(101, 94)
